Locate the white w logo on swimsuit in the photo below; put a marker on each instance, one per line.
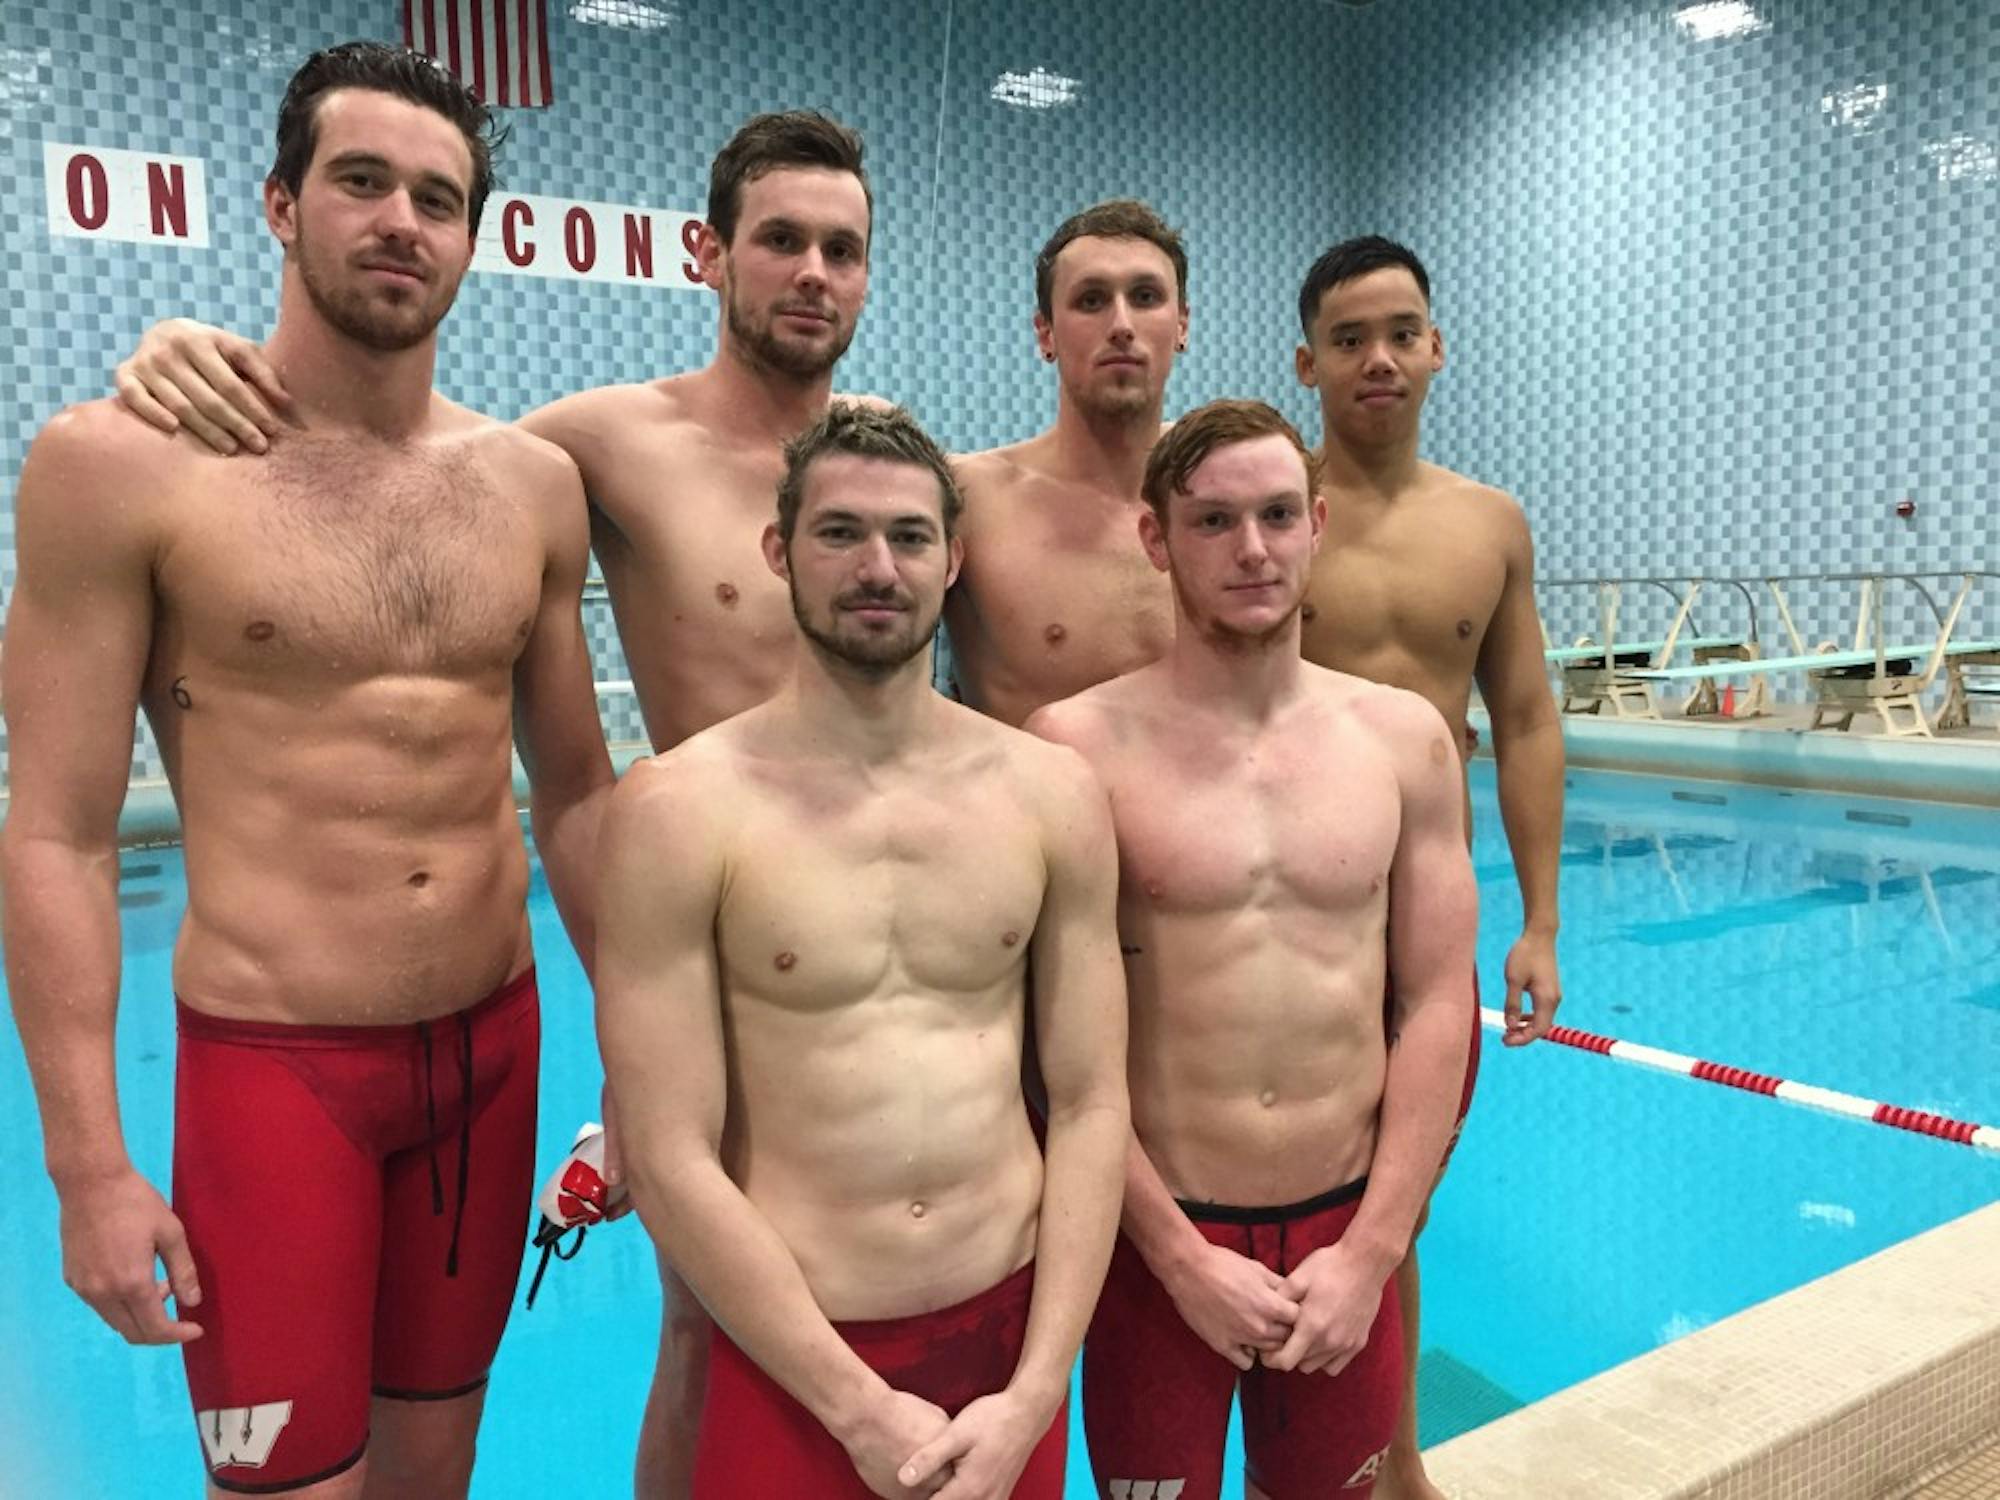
(1147, 1489)
(241, 1436)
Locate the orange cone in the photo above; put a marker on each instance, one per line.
(1729, 700)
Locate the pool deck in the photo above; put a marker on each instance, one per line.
(1878, 1380)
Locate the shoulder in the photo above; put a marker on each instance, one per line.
(96, 465)
(590, 419)
(1087, 719)
(997, 469)
(1477, 503)
(96, 439)
(1406, 723)
(528, 470)
(680, 790)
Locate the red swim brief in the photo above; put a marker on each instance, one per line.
(757, 1443)
(1156, 1398)
(356, 1199)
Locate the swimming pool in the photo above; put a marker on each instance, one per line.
(1594, 1209)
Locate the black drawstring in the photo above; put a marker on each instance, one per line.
(550, 1238)
(464, 1131)
(464, 1137)
(431, 1120)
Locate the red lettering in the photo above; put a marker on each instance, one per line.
(639, 246)
(691, 242)
(89, 191)
(513, 218)
(579, 240)
(166, 197)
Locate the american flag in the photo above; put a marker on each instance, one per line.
(498, 48)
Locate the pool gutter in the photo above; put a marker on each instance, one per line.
(1857, 1386)
(1780, 750)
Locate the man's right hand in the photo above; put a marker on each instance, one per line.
(1236, 1305)
(112, 1229)
(889, 1436)
(215, 383)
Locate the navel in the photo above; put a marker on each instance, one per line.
(917, 1210)
(1055, 634)
(1464, 629)
(784, 961)
(725, 593)
(260, 630)
(419, 880)
(1268, 1098)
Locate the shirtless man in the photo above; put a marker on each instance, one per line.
(1289, 840)
(680, 473)
(1056, 594)
(1427, 583)
(330, 648)
(819, 920)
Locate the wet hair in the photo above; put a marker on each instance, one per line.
(767, 143)
(1113, 219)
(387, 70)
(1352, 258)
(867, 431)
(1183, 447)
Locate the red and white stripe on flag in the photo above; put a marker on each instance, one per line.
(498, 48)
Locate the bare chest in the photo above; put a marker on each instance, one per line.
(321, 565)
(1404, 599)
(687, 569)
(1309, 824)
(834, 899)
(1056, 612)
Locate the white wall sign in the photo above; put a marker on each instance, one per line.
(98, 193)
(525, 235)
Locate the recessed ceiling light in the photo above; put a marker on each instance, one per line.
(1719, 20)
(1037, 88)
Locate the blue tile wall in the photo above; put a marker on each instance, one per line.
(1711, 306)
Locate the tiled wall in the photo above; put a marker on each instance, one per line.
(1711, 305)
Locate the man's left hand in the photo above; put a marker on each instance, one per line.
(1531, 970)
(1338, 1300)
(983, 1451)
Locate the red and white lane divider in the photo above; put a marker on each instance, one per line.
(1963, 1132)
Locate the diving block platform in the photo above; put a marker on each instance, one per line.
(1596, 676)
(1883, 681)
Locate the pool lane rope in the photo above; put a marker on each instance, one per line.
(1921, 1122)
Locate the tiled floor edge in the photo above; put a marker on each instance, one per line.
(1655, 1427)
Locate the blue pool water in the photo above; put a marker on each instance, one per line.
(1594, 1210)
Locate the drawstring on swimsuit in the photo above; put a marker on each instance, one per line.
(464, 1137)
(464, 1131)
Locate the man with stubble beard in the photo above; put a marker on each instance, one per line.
(331, 649)
(820, 921)
(1057, 593)
(1427, 582)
